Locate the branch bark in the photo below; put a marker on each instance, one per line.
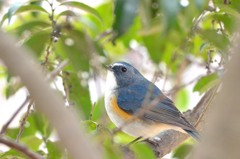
(20, 63)
(20, 147)
(222, 136)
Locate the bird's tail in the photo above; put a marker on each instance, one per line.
(194, 134)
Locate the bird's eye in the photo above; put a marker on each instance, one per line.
(124, 69)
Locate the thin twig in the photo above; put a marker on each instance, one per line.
(205, 101)
(104, 34)
(210, 60)
(20, 147)
(165, 79)
(91, 113)
(56, 71)
(5, 126)
(23, 121)
(48, 52)
(54, 35)
(177, 88)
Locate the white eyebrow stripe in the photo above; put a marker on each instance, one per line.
(118, 64)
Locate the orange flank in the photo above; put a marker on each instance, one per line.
(121, 113)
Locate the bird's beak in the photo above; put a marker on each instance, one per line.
(109, 67)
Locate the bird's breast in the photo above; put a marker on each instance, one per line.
(129, 124)
(115, 113)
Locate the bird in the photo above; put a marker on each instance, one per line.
(138, 107)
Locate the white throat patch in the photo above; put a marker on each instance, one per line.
(111, 82)
(110, 85)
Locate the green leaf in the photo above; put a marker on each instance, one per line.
(12, 154)
(143, 151)
(83, 7)
(29, 130)
(30, 26)
(17, 8)
(205, 46)
(235, 5)
(38, 41)
(53, 150)
(40, 124)
(133, 31)
(77, 94)
(206, 82)
(78, 48)
(112, 151)
(75, 47)
(170, 11)
(98, 110)
(3, 72)
(90, 125)
(125, 13)
(32, 142)
(30, 8)
(66, 13)
(228, 21)
(219, 40)
(12, 132)
(106, 11)
(182, 99)
(12, 10)
(182, 151)
(148, 11)
(229, 9)
(200, 4)
(123, 138)
(154, 45)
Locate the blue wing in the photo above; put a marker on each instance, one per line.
(131, 100)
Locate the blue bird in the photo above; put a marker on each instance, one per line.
(138, 106)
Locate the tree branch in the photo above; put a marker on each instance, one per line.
(20, 147)
(56, 71)
(67, 124)
(221, 139)
(23, 121)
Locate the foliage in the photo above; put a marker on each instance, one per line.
(176, 35)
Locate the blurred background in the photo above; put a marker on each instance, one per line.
(180, 45)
